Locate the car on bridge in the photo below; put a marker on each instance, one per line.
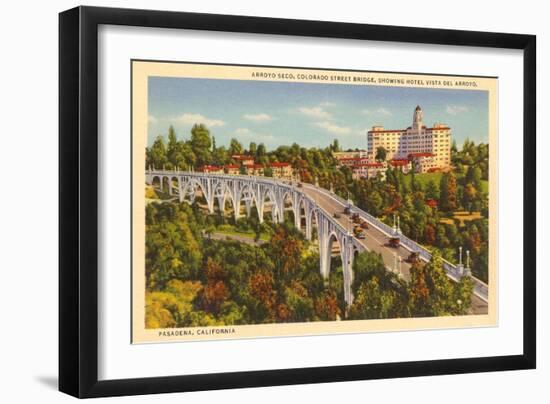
(394, 242)
(347, 210)
(358, 232)
(364, 225)
(413, 257)
(336, 215)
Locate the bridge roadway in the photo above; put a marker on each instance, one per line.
(376, 241)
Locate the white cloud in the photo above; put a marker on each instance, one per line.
(242, 131)
(377, 111)
(245, 134)
(332, 128)
(262, 117)
(152, 119)
(314, 112)
(327, 104)
(456, 109)
(191, 119)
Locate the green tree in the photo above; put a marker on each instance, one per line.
(171, 247)
(469, 197)
(158, 153)
(252, 149)
(235, 147)
(453, 147)
(441, 239)
(432, 293)
(378, 293)
(432, 191)
(220, 156)
(261, 153)
(299, 303)
(448, 192)
(201, 143)
(286, 248)
(375, 203)
(172, 140)
(473, 176)
(381, 154)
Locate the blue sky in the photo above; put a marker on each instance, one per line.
(312, 115)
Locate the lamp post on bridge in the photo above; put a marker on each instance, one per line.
(460, 267)
(467, 270)
(397, 260)
(398, 226)
(400, 260)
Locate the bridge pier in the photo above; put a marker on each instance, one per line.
(210, 204)
(275, 216)
(260, 210)
(308, 211)
(181, 191)
(324, 248)
(296, 209)
(347, 266)
(248, 205)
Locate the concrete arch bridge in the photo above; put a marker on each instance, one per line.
(312, 207)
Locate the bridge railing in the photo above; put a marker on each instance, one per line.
(481, 289)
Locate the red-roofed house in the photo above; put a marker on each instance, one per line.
(243, 159)
(368, 170)
(212, 169)
(281, 170)
(423, 162)
(254, 169)
(232, 169)
(352, 161)
(403, 164)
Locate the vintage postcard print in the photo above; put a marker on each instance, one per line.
(273, 201)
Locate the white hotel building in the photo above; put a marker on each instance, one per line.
(428, 149)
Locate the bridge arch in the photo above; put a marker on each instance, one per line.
(288, 200)
(268, 195)
(166, 185)
(156, 181)
(302, 211)
(189, 187)
(222, 195)
(312, 223)
(248, 196)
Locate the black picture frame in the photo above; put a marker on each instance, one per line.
(78, 200)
